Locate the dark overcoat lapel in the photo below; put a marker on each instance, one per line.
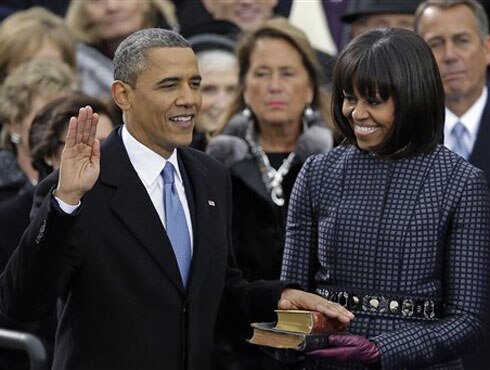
(134, 208)
(201, 197)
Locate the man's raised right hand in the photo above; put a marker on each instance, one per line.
(80, 160)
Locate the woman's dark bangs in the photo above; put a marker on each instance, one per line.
(373, 78)
(346, 76)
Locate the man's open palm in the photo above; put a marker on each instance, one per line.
(80, 160)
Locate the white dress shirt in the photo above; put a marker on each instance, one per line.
(149, 165)
(470, 119)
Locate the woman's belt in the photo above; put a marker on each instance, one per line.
(409, 307)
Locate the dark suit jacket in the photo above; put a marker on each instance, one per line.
(14, 218)
(123, 303)
(480, 155)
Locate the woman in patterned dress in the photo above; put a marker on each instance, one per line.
(391, 224)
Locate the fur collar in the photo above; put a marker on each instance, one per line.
(231, 146)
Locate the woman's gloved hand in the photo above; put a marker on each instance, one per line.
(349, 348)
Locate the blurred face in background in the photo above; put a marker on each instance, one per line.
(219, 71)
(46, 50)
(246, 14)
(113, 20)
(461, 54)
(277, 87)
(22, 128)
(104, 128)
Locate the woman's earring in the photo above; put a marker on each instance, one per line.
(15, 138)
(308, 112)
(247, 113)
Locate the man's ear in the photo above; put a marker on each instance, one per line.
(486, 45)
(122, 94)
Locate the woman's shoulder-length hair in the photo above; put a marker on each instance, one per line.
(397, 64)
(280, 28)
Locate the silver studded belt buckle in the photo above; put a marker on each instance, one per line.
(393, 306)
(343, 299)
(407, 308)
(371, 303)
(429, 309)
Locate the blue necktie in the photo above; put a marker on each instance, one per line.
(459, 133)
(177, 230)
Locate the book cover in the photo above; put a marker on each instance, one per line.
(265, 334)
(306, 322)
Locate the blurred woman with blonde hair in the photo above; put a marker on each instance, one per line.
(32, 34)
(24, 92)
(100, 26)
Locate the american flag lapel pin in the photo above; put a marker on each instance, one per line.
(211, 203)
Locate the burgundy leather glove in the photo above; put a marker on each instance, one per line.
(350, 347)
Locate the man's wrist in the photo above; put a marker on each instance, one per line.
(64, 207)
(70, 199)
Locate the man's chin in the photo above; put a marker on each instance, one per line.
(184, 142)
(454, 92)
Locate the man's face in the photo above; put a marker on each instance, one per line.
(246, 14)
(462, 56)
(163, 105)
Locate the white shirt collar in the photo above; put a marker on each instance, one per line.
(470, 119)
(147, 163)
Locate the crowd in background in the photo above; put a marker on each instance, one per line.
(267, 69)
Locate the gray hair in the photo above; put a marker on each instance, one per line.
(216, 60)
(475, 6)
(130, 58)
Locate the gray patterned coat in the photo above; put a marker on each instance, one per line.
(416, 227)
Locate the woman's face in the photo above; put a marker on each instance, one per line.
(371, 119)
(246, 14)
(217, 90)
(115, 19)
(104, 128)
(48, 49)
(22, 127)
(277, 86)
